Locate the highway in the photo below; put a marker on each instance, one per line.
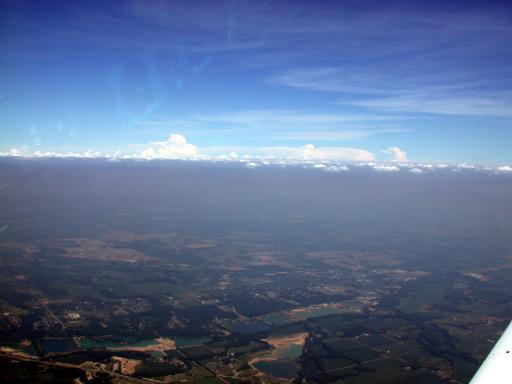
(93, 371)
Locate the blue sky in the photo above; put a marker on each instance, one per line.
(434, 80)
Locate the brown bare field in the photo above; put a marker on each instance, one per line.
(202, 244)
(162, 344)
(355, 260)
(127, 365)
(126, 237)
(99, 250)
(287, 340)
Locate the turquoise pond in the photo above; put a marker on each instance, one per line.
(291, 352)
(248, 327)
(276, 319)
(285, 365)
(57, 345)
(186, 341)
(318, 312)
(279, 368)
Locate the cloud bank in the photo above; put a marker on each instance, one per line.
(327, 159)
(176, 147)
(308, 152)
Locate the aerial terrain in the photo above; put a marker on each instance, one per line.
(277, 191)
(183, 271)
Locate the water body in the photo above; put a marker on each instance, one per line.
(58, 345)
(186, 341)
(87, 343)
(279, 368)
(276, 318)
(292, 351)
(283, 363)
(157, 354)
(249, 327)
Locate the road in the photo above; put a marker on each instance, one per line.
(94, 371)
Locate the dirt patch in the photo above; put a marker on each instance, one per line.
(125, 366)
(202, 244)
(280, 344)
(99, 250)
(161, 344)
(287, 340)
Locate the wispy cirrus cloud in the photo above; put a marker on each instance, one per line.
(454, 64)
(408, 91)
(492, 105)
(285, 124)
(330, 79)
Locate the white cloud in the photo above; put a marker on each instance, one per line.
(175, 147)
(337, 168)
(232, 155)
(397, 153)
(92, 154)
(308, 152)
(416, 170)
(385, 168)
(14, 152)
(466, 166)
(504, 168)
